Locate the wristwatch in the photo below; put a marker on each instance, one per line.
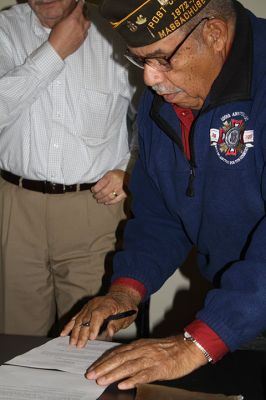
(189, 338)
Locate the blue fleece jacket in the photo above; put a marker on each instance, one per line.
(215, 201)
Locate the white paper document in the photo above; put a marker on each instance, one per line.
(18, 383)
(53, 371)
(58, 354)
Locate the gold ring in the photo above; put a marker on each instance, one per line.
(85, 324)
(114, 193)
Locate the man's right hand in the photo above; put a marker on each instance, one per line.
(119, 299)
(69, 34)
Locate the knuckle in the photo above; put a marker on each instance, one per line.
(145, 375)
(95, 314)
(78, 320)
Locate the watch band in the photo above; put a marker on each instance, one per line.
(189, 338)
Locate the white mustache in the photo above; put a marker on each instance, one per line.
(159, 89)
(39, 2)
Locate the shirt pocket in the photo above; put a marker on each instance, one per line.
(94, 110)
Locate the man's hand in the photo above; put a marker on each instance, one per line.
(110, 188)
(147, 360)
(69, 34)
(97, 310)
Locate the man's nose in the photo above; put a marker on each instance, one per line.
(152, 76)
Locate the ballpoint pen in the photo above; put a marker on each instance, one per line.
(115, 317)
(121, 315)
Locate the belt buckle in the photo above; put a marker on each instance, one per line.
(50, 187)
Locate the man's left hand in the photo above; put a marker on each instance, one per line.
(147, 360)
(110, 188)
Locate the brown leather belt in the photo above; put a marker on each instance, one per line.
(44, 186)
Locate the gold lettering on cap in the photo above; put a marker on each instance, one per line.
(157, 17)
(171, 28)
(181, 16)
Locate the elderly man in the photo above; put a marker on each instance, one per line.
(200, 180)
(64, 158)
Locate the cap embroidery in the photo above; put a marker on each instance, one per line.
(141, 20)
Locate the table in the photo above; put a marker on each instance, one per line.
(242, 372)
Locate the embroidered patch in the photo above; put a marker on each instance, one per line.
(232, 141)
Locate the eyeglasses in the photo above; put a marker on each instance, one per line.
(162, 64)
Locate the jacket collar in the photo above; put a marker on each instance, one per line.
(235, 78)
(159, 117)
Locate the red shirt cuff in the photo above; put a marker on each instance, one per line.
(208, 339)
(138, 286)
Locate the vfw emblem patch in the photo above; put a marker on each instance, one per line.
(232, 141)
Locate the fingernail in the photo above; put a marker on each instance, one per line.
(111, 332)
(90, 375)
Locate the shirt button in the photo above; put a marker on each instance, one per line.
(58, 115)
(56, 145)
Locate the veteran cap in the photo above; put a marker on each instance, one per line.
(142, 22)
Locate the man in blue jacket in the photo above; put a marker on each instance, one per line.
(200, 180)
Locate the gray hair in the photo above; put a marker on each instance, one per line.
(221, 9)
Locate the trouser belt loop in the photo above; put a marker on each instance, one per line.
(78, 187)
(20, 182)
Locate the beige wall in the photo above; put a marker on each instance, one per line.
(257, 6)
(6, 3)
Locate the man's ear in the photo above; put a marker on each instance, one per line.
(215, 34)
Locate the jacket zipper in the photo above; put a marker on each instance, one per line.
(190, 192)
(167, 129)
(190, 189)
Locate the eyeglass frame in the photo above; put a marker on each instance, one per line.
(141, 61)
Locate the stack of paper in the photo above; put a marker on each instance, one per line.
(53, 371)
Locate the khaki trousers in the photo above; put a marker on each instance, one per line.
(53, 254)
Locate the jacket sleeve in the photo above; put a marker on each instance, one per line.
(155, 242)
(236, 310)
